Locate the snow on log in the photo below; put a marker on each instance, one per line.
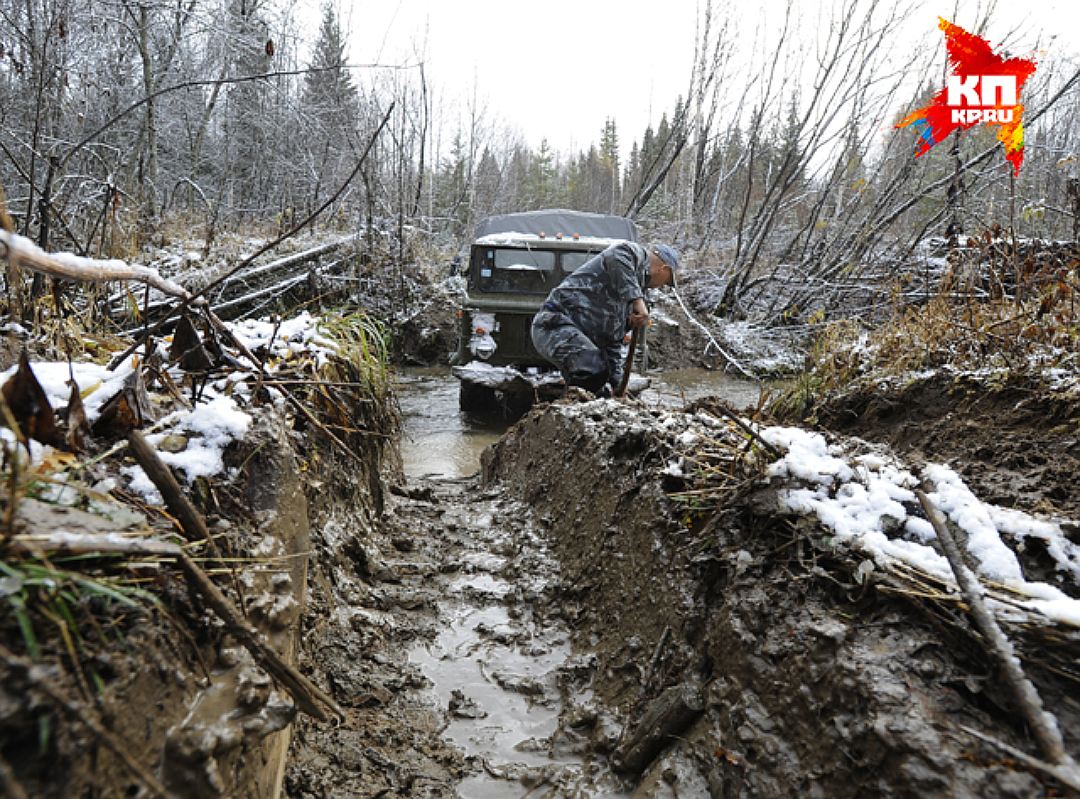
(22, 252)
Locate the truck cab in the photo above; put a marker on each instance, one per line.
(514, 262)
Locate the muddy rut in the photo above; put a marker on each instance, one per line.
(452, 660)
(512, 634)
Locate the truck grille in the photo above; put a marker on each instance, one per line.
(514, 340)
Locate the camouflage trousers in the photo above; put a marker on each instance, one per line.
(561, 342)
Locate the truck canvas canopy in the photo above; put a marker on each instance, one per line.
(556, 222)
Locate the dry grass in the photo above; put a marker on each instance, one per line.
(977, 321)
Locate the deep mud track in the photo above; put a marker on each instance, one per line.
(453, 661)
(527, 632)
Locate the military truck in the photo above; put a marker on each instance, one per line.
(514, 261)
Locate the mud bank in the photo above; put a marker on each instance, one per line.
(811, 682)
(171, 690)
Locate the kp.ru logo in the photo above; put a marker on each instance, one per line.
(983, 88)
(995, 101)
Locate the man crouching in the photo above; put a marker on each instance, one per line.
(580, 329)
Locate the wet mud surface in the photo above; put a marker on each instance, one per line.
(813, 684)
(559, 627)
(452, 659)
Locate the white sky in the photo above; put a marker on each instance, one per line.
(556, 69)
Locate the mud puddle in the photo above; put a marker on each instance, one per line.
(498, 662)
(439, 440)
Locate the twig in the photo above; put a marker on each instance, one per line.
(1063, 774)
(306, 694)
(712, 340)
(754, 434)
(1043, 724)
(111, 742)
(191, 521)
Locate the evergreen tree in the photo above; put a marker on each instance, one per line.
(609, 161)
(329, 92)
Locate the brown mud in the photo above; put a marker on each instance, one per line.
(813, 685)
(161, 682)
(512, 634)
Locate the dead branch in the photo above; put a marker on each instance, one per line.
(81, 716)
(22, 252)
(304, 692)
(191, 521)
(1062, 774)
(666, 717)
(1043, 724)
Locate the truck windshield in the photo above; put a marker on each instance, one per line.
(517, 270)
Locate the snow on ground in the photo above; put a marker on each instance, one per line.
(208, 428)
(867, 500)
(299, 335)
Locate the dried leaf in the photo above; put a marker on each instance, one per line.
(187, 347)
(30, 406)
(128, 410)
(78, 427)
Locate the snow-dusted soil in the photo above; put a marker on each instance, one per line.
(803, 593)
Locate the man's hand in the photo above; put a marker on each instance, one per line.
(639, 314)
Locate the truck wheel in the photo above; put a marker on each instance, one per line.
(477, 399)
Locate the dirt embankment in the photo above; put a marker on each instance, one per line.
(1018, 444)
(811, 683)
(161, 685)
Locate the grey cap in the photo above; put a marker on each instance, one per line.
(669, 255)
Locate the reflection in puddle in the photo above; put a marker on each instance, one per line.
(513, 696)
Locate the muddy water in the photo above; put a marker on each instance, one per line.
(497, 666)
(439, 440)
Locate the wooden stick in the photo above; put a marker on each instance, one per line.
(1063, 774)
(634, 338)
(754, 434)
(305, 693)
(191, 521)
(666, 717)
(1043, 724)
(111, 742)
(34, 544)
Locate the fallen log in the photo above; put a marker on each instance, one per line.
(666, 717)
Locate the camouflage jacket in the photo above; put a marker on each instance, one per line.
(597, 296)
